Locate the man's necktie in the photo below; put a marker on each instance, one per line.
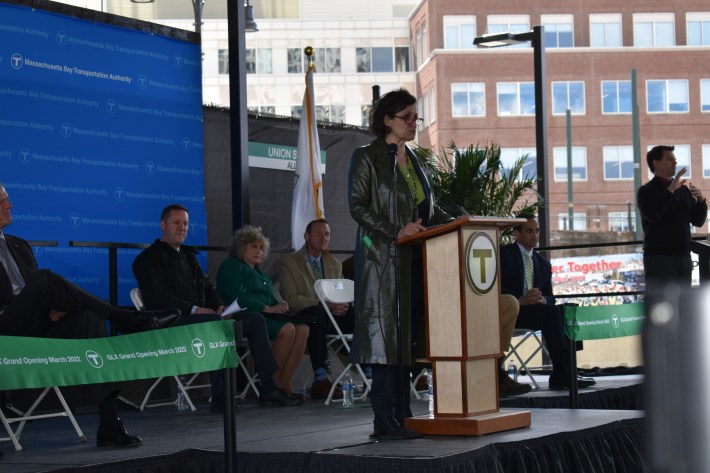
(12, 271)
(317, 272)
(529, 279)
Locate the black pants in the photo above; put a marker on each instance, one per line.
(317, 341)
(254, 328)
(27, 314)
(84, 323)
(548, 319)
(386, 393)
(663, 269)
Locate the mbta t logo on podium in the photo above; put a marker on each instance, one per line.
(481, 262)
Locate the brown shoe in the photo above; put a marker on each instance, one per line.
(321, 389)
(507, 387)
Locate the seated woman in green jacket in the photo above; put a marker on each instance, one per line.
(239, 277)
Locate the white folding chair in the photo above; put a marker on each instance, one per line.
(191, 382)
(23, 417)
(525, 335)
(137, 300)
(339, 291)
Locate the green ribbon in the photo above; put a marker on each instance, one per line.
(603, 321)
(27, 362)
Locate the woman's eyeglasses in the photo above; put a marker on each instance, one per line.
(409, 119)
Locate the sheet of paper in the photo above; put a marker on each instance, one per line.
(232, 309)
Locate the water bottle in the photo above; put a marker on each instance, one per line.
(182, 404)
(346, 384)
(430, 390)
(512, 370)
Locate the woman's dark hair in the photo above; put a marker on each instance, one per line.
(388, 106)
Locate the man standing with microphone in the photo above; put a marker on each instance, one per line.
(668, 207)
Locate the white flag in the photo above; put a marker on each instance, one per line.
(308, 189)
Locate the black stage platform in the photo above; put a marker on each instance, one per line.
(318, 438)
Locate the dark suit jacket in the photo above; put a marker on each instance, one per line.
(26, 263)
(512, 273)
(171, 280)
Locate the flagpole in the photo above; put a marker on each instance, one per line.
(307, 204)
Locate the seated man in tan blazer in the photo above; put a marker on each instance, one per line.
(299, 271)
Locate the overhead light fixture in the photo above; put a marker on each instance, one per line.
(496, 40)
(249, 23)
(142, 1)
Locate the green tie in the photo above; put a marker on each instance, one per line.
(317, 272)
(528, 270)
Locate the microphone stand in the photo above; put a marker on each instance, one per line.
(392, 151)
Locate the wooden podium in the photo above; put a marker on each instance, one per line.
(462, 300)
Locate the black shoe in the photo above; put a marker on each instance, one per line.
(507, 387)
(393, 431)
(114, 434)
(560, 382)
(151, 320)
(279, 398)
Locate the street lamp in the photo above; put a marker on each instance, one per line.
(537, 38)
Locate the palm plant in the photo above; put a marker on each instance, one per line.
(474, 181)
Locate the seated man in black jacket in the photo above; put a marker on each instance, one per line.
(40, 303)
(169, 275)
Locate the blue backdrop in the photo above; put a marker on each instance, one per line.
(100, 128)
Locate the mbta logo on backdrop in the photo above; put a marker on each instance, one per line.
(16, 61)
(481, 262)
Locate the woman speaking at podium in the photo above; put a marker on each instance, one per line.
(390, 198)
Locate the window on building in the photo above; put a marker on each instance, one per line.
(579, 221)
(330, 113)
(509, 23)
(619, 221)
(258, 61)
(266, 109)
(379, 59)
(327, 60)
(706, 161)
(618, 163)
(509, 156)
(558, 31)
(459, 32)
(579, 163)
(295, 58)
(420, 44)
(682, 157)
(568, 95)
(616, 96)
(223, 61)
(605, 30)
(667, 96)
(698, 29)
(654, 30)
(705, 95)
(468, 99)
(296, 111)
(401, 59)
(426, 107)
(365, 115)
(516, 99)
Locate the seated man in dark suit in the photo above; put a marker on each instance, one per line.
(299, 271)
(526, 275)
(40, 303)
(169, 275)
